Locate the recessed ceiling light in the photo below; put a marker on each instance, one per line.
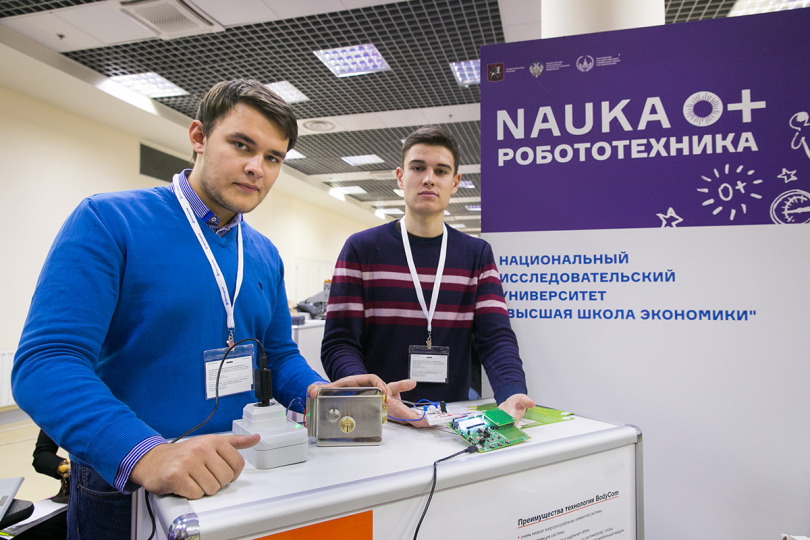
(287, 92)
(458, 225)
(354, 60)
(367, 159)
(750, 7)
(149, 84)
(350, 190)
(391, 211)
(467, 72)
(473, 207)
(294, 154)
(399, 192)
(336, 193)
(466, 184)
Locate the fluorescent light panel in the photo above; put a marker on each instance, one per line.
(466, 184)
(149, 84)
(467, 72)
(294, 154)
(473, 207)
(287, 92)
(350, 190)
(354, 60)
(367, 159)
(750, 7)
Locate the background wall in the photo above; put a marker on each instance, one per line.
(50, 159)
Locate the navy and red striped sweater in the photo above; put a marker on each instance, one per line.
(373, 314)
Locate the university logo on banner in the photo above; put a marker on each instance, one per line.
(495, 72)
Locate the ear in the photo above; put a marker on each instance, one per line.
(196, 135)
(398, 172)
(456, 182)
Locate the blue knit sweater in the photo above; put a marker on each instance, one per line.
(125, 306)
(373, 314)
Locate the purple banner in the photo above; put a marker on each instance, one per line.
(690, 124)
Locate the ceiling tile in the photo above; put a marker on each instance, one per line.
(273, 40)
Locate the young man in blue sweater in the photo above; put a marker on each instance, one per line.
(411, 298)
(140, 296)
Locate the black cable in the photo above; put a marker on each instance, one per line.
(262, 367)
(151, 514)
(468, 450)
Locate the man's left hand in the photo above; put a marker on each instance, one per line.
(516, 405)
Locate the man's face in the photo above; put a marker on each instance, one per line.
(238, 162)
(427, 179)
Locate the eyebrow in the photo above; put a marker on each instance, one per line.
(423, 162)
(250, 141)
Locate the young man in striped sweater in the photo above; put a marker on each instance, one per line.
(421, 338)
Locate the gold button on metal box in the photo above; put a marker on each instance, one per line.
(346, 416)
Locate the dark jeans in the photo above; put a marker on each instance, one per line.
(96, 509)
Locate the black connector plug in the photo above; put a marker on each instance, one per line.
(262, 382)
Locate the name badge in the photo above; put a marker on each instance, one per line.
(428, 364)
(235, 374)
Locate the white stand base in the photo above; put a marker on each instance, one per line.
(283, 441)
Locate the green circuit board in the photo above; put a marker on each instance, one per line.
(488, 431)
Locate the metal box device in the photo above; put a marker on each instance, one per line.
(346, 416)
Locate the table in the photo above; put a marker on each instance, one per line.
(578, 476)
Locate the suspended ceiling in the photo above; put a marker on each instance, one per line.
(273, 40)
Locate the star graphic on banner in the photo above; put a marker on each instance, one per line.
(670, 219)
(788, 176)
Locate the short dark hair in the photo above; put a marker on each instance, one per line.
(224, 96)
(432, 136)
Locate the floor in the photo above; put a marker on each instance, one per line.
(18, 435)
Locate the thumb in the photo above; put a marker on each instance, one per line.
(240, 442)
(404, 385)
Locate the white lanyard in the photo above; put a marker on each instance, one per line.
(434, 297)
(223, 288)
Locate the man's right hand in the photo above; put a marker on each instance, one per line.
(194, 467)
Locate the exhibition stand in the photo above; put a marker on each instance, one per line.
(650, 189)
(576, 477)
